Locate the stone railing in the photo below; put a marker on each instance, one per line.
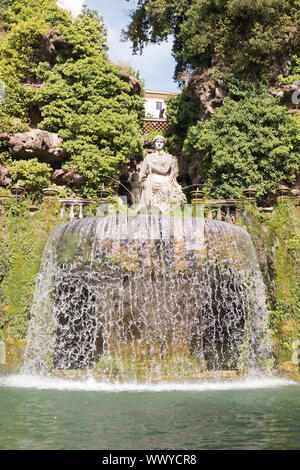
(226, 210)
(73, 208)
(70, 208)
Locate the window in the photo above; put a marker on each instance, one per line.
(158, 105)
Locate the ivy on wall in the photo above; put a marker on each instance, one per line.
(22, 239)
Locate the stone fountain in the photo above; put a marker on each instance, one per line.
(148, 295)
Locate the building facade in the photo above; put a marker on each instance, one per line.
(155, 104)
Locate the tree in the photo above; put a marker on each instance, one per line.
(32, 174)
(242, 37)
(252, 142)
(77, 91)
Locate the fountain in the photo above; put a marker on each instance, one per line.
(146, 288)
(149, 296)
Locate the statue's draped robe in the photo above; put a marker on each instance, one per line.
(158, 173)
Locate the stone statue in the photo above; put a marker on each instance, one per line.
(158, 174)
(136, 187)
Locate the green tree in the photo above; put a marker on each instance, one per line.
(80, 94)
(182, 113)
(251, 142)
(31, 174)
(241, 36)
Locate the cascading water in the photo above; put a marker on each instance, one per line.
(148, 297)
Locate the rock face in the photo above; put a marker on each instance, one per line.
(5, 180)
(281, 63)
(209, 91)
(67, 177)
(51, 44)
(134, 82)
(36, 143)
(289, 96)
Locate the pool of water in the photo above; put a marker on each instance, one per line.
(41, 413)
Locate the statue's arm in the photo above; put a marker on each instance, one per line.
(143, 168)
(160, 169)
(175, 168)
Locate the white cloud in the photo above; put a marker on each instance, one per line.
(74, 6)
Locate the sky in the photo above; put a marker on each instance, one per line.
(156, 65)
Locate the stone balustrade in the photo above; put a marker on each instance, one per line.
(226, 210)
(69, 207)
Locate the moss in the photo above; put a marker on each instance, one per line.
(22, 239)
(277, 241)
(14, 354)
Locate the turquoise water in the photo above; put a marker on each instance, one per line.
(59, 415)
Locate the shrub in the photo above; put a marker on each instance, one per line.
(31, 174)
(250, 142)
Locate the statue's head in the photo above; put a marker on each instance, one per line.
(158, 142)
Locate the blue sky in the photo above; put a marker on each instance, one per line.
(156, 65)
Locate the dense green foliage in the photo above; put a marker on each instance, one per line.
(253, 142)
(22, 239)
(79, 93)
(33, 175)
(240, 36)
(277, 241)
(285, 230)
(182, 113)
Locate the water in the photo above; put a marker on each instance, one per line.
(148, 297)
(44, 413)
(145, 309)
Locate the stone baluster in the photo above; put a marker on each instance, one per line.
(227, 217)
(71, 213)
(70, 205)
(237, 214)
(62, 210)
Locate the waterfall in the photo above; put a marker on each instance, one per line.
(148, 297)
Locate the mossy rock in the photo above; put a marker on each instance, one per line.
(289, 328)
(289, 370)
(14, 356)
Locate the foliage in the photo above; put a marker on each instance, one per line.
(150, 136)
(31, 174)
(285, 230)
(88, 104)
(79, 93)
(252, 142)
(22, 239)
(294, 75)
(241, 36)
(182, 113)
(277, 242)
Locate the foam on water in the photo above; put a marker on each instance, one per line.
(91, 385)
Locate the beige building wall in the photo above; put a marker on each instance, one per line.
(155, 103)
